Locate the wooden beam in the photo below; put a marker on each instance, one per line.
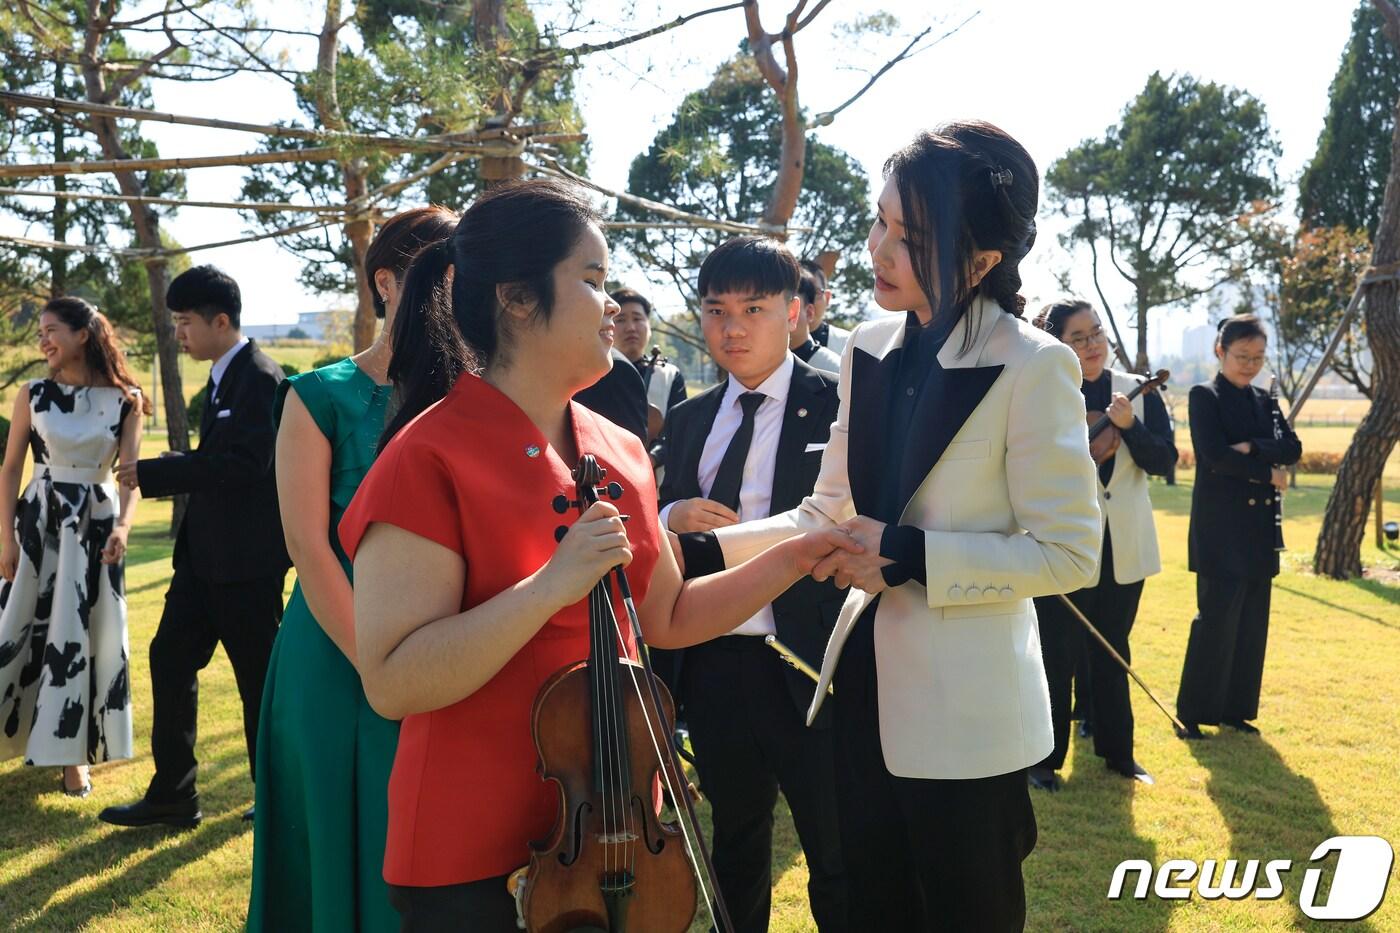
(88, 167)
(262, 206)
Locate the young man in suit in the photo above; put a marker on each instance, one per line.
(825, 333)
(664, 381)
(747, 448)
(803, 345)
(230, 558)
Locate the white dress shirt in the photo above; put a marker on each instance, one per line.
(756, 490)
(216, 372)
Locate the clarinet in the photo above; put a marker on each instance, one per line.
(1278, 436)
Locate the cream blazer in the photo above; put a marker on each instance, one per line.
(1126, 504)
(1009, 511)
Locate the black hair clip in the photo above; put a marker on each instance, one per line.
(1001, 177)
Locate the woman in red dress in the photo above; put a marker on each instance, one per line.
(464, 602)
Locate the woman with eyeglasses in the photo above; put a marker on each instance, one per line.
(1242, 444)
(1139, 444)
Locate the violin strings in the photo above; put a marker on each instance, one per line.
(603, 716)
(691, 847)
(614, 794)
(618, 650)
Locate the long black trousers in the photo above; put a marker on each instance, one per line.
(1112, 608)
(922, 855)
(198, 616)
(1224, 666)
(750, 741)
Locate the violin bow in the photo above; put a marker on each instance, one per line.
(670, 764)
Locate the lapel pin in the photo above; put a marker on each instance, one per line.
(532, 451)
(801, 412)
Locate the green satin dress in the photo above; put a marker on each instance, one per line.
(324, 756)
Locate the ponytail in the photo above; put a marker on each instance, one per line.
(429, 352)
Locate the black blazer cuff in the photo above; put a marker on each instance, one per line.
(702, 554)
(903, 544)
(158, 477)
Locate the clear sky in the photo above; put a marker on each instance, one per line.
(1050, 73)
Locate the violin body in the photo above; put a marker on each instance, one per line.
(610, 863)
(1104, 444)
(1104, 436)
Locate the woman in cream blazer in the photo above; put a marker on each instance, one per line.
(959, 461)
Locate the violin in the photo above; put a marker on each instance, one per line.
(610, 863)
(1104, 436)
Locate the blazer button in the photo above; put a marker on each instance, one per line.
(1107, 494)
(1007, 592)
(1251, 501)
(1268, 501)
(955, 592)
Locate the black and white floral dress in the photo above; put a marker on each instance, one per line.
(65, 696)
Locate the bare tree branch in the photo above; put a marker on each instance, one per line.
(825, 118)
(761, 47)
(244, 46)
(580, 50)
(806, 20)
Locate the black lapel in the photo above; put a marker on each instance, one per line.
(706, 409)
(805, 396)
(938, 417)
(235, 366)
(872, 381)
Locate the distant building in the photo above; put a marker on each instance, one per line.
(323, 326)
(1198, 343)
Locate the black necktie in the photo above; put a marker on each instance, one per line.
(730, 476)
(208, 414)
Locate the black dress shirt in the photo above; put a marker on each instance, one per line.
(918, 374)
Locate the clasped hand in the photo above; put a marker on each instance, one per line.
(860, 566)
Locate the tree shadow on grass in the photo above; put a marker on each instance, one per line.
(1379, 589)
(1086, 830)
(88, 847)
(1271, 813)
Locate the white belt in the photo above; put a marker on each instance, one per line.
(72, 474)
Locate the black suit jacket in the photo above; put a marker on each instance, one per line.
(232, 530)
(806, 613)
(1232, 503)
(620, 396)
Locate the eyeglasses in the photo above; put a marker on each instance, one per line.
(1084, 341)
(1248, 360)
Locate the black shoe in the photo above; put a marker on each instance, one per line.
(1131, 769)
(248, 815)
(1239, 725)
(1191, 732)
(1086, 728)
(1043, 779)
(183, 815)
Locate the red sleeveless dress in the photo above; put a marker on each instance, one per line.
(473, 474)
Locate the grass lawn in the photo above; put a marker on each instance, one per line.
(1326, 765)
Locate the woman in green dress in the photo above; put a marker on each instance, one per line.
(324, 756)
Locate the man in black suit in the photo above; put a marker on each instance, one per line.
(747, 448)
(230, 558)
(620, 396)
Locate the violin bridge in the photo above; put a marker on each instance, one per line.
(617, 838)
